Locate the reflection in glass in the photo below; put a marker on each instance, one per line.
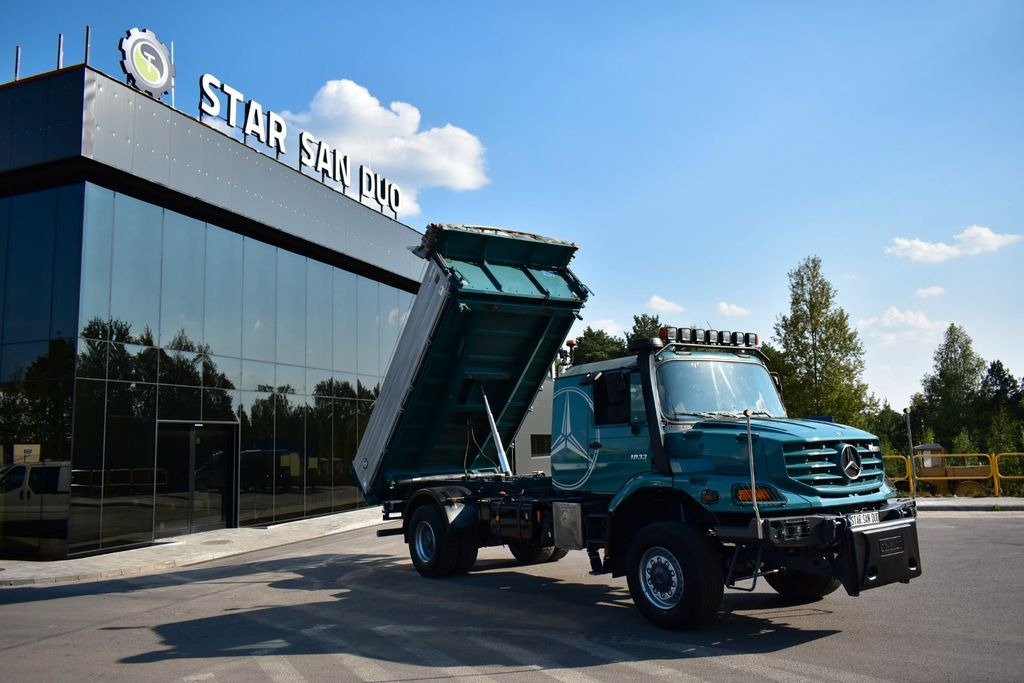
(289, 457)
(319, 315)
(291, 308)
(180, 403)
(223, 298)
(256, 460)
(67, 258)
(368, 305)
(97, 237)
(346, 321)
(181, 290)
(319, 470)
(92, 359)
(290, 379)
(135, 269)
(390, 319)
(259, 301)
(131, 362)
(222, 372)
(87, 466)
(29, 276)
(257, 376)
(220, 405)
(181, 367)
(128, 474)
(343, 451)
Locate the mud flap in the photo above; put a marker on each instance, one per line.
(878, 554)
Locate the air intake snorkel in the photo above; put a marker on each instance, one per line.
(646, 350)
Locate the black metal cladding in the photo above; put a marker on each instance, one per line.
(816, 465)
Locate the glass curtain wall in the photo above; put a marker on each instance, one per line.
(182, 322)
(40, 240)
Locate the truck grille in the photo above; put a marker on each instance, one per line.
(816, 465)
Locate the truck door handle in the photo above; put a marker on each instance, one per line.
(595, 444)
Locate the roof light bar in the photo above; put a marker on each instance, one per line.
(696, 335)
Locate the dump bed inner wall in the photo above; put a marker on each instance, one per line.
(475, 323)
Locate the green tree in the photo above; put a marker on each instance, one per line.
(644, 327)
(952, 390)
(594, 345)
(817, 354)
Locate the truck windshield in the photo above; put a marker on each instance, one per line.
(716, 388)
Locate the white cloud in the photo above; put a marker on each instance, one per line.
(929, 292)
(664, 305)
(608, 325)
(971, 242)
(389, 140)
(896, 327)
(732, 310)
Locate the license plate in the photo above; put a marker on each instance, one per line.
(862, 518)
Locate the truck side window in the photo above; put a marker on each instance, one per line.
(637, 409)
(611, 399)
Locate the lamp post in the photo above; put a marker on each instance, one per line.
(913, 463)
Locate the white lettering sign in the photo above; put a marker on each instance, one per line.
(270, 129)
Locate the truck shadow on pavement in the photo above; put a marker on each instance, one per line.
(366, 606)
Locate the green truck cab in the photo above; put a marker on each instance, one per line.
(676, 467)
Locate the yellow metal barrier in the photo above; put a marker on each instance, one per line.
(904, 461)
(967, 476)
(1001, 475)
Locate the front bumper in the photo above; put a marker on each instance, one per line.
(878, 554)
(861, 557)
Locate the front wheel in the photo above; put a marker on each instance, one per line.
(802, 586)
(433, 550)
(674, 575)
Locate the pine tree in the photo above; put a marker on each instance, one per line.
(594, 345)
(645, 326)
(818, 354)
(952, 390)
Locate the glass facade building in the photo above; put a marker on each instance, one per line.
(168, 365)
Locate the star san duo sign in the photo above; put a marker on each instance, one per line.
(271, 129)
(148, 67)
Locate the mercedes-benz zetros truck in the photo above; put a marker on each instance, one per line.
(676, 466)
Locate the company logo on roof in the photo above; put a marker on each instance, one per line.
(146, 62)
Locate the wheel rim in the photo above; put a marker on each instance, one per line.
(661, 578)
(425, 541)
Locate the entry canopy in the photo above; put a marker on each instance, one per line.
(492, 311)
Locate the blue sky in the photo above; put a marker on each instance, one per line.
(696, 151)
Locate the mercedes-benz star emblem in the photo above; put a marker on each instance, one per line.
(849, 461)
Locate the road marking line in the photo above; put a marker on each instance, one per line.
(361, 667)
(525, 657)
(621, 658)
(208, 676)
(445, 665)
(279, 669)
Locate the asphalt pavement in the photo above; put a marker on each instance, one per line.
(182, 551)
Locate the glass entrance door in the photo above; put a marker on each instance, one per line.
(195, 477)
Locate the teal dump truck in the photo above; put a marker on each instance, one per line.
(676, 467)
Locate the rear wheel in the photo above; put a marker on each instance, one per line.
(674, 575)
(467, 554)
(802, 586)
(433, 550)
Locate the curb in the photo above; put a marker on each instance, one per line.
(170, 564)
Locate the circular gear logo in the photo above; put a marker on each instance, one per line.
(146, 62)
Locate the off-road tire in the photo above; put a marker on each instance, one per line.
(675, 575)
(797, 586)
(467, 554)
(433, 550)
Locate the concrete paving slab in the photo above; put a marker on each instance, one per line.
(182, 551)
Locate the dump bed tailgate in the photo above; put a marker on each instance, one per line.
(492, 311)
